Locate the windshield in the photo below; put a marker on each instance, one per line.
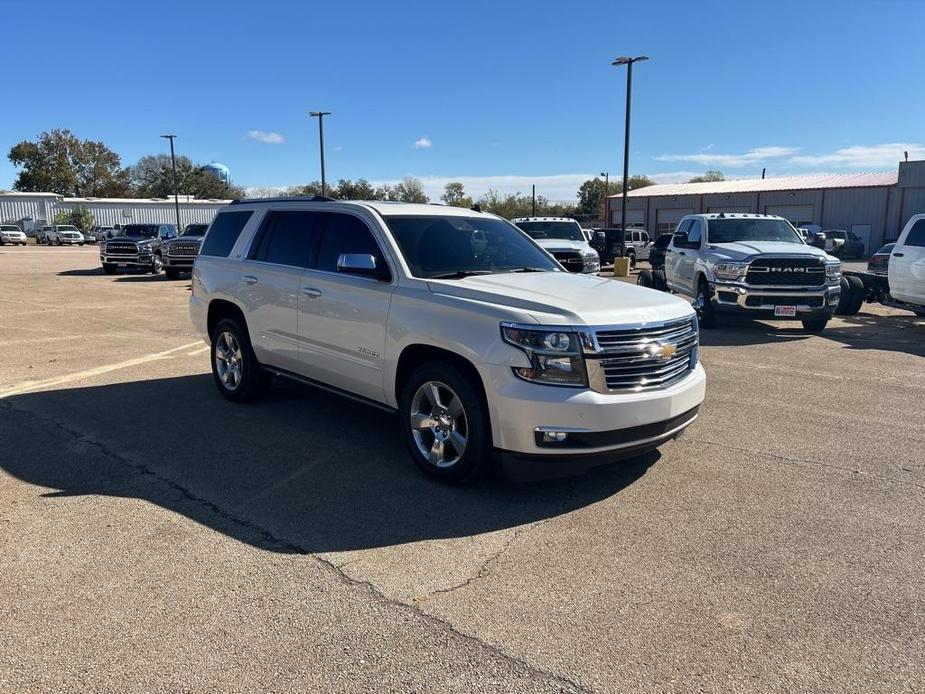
(195, 230)
(447, 246)
(733, 230)
(8, 227)
(553, 230)
(143, 230)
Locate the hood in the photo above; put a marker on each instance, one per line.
(134, 239)
(186, 239)
(742, 250)
(564, 298)
(563, 245)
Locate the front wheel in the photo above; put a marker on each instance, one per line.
(815, 325)
(705, 311)
(157, 265)
(445, 423)
(237, 373)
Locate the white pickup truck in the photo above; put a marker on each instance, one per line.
(750, 264)
(904, 284)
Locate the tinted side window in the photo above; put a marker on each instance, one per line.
(288, 238)
(696, 230)
(684, 227)
(916, 235)
(344, 233)
(644, 235)
(223, 233)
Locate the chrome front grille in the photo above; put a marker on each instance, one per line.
(645, 358)
(121, 249)
(183, 249)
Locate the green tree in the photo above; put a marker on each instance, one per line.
(152, 177)
(59, 162)
(708, 177)
(454, 193)
(80, 217)
(350, 190)
(592, 192)
(409, 190)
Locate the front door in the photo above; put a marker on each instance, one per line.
(342, 317)
(907, 265)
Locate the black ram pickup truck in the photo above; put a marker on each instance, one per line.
(137, 247)
(180, 253)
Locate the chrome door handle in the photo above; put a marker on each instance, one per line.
(313, 293)
(681, 253)
(249, 279)
(898, 255)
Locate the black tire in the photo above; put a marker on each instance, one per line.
(109, 268)
(250, 378)
(172, 273)
(920, 314)
(852, 298)
(815, 325)
(157, 264)
(645, 279)
(475, 459)
(705, 313)
(632, 257)
(658, 280)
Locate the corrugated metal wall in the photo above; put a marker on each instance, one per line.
(26, 210)
(148, 212)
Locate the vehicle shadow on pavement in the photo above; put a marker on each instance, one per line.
(83, 272)
(300, 471)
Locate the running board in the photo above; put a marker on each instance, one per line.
(304, 380)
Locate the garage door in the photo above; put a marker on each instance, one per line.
(732, 210)
(667, 220)
(798, 215)
(634, 218)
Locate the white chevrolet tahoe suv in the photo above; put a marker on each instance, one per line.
(752, 264)
(565, 240)
(455, 319)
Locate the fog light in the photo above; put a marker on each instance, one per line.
(554, 436)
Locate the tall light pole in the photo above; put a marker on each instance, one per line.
(624, 60)
(320, 116)
(606, 175)
(176, 193)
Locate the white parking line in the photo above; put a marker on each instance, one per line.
(89, 373)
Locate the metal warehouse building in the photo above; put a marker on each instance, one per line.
(31, 210)
(873, 205)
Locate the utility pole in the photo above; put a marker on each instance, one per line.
(624, 60)
(606, 175)
(320, 116)
(534, 201)
(173, 162)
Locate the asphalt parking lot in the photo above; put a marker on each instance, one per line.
(156, 537)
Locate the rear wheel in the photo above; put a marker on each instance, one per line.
(445, 423)
(658, 280)
(852, 296)
(645, 279)
(632, 257)
(235, 369)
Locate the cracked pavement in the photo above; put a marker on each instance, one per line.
(155, 537)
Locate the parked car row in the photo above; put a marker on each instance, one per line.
(151, 248)
(12, 235)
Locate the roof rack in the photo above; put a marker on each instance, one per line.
(289, 198)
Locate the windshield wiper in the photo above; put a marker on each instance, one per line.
(459, 274)
(529, 269)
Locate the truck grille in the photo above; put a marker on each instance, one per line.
(648, 358)
(184, 249)
(571, 260)
(786, 272)
(121, 249)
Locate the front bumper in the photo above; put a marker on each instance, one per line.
(126, 260)
(179, 262)
(70, 242)
(736, 297)
(12, 239)
(601, 427)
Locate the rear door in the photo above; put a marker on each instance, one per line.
(342, 317)
(270, 277)
(907, 264)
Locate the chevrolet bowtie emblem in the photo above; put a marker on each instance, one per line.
(661, 351)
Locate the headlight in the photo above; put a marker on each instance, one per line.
(730, 271)
(833, 270)
(555, 355)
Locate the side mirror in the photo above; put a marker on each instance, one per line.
(680, 240)
(363, 264)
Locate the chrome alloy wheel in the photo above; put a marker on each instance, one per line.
(228, 360)
(438, 424)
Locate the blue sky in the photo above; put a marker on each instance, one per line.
(496, 94)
